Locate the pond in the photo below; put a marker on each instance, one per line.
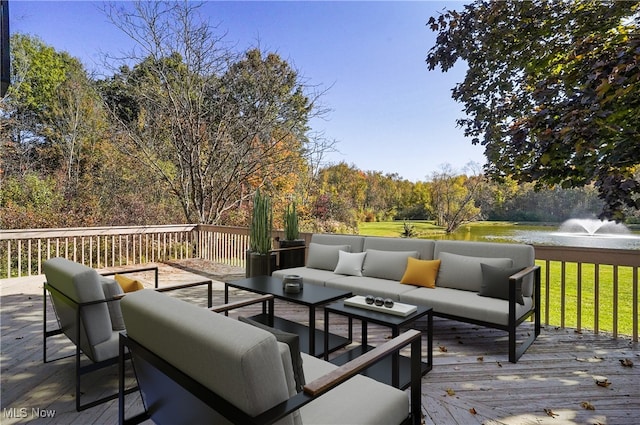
(542, 235)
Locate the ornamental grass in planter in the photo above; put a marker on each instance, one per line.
(294, 257)
(259, 260)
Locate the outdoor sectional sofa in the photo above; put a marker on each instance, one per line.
(495, 285)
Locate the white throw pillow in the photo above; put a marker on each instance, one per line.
(350, 263)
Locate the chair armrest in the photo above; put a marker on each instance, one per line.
(519, 277)
(336, 377)
(325, 383)
(207, 282)
(238, 304)
(136, 270)
(120, 296)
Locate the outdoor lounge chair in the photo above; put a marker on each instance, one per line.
(235, 372)
(87, 310)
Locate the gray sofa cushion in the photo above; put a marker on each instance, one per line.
(82, 284)
(111, 288)
(324, 257)
(424, 247)
(389, 265)
(522, 255)
(466, 304)
(360, 400)
(464, 272)
(495, 282)
(363, 285)
(292, 341)
(355, 242)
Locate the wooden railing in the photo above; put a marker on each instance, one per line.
(590, 282)
(224, 244)
(23, 251)
(577, 283)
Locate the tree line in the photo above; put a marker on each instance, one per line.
(185, 129)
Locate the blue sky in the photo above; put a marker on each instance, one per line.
(388, 112)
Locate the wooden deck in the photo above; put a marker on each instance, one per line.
(555, 382)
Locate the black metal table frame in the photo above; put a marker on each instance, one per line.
(384, 319)
(273, 320)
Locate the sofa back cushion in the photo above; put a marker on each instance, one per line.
(292, 342)
(324, 257)
(521, 255)
(465, 272)
(386, 264)
(424, 247)
(237, 361)
(81, 284)
(355, 242)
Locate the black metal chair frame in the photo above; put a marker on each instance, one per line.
(515, 352)
(79, 368)
(193, 396)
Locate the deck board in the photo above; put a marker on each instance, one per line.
(471, 382)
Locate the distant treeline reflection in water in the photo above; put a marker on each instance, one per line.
(543, 235)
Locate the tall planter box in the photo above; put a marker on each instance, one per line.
(292, 258)
(259, 264)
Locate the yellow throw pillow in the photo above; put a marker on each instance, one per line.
(421, 272)
(127, 284)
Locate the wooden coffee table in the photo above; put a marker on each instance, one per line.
(312, 340)
(395, 370)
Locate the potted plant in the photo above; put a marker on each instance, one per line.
(294, 256)
(260, 260)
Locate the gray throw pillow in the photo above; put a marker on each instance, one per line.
(495, 282)
(110, 288)
(292, 340)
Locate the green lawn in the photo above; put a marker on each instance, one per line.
(395, 228)
(588, 293)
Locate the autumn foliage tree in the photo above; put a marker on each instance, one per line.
(552, 91)
(211, 124)
(453, 198)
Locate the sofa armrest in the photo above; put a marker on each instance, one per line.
(325, 383)
(523, 273)
(519, 278)
(516, 353)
